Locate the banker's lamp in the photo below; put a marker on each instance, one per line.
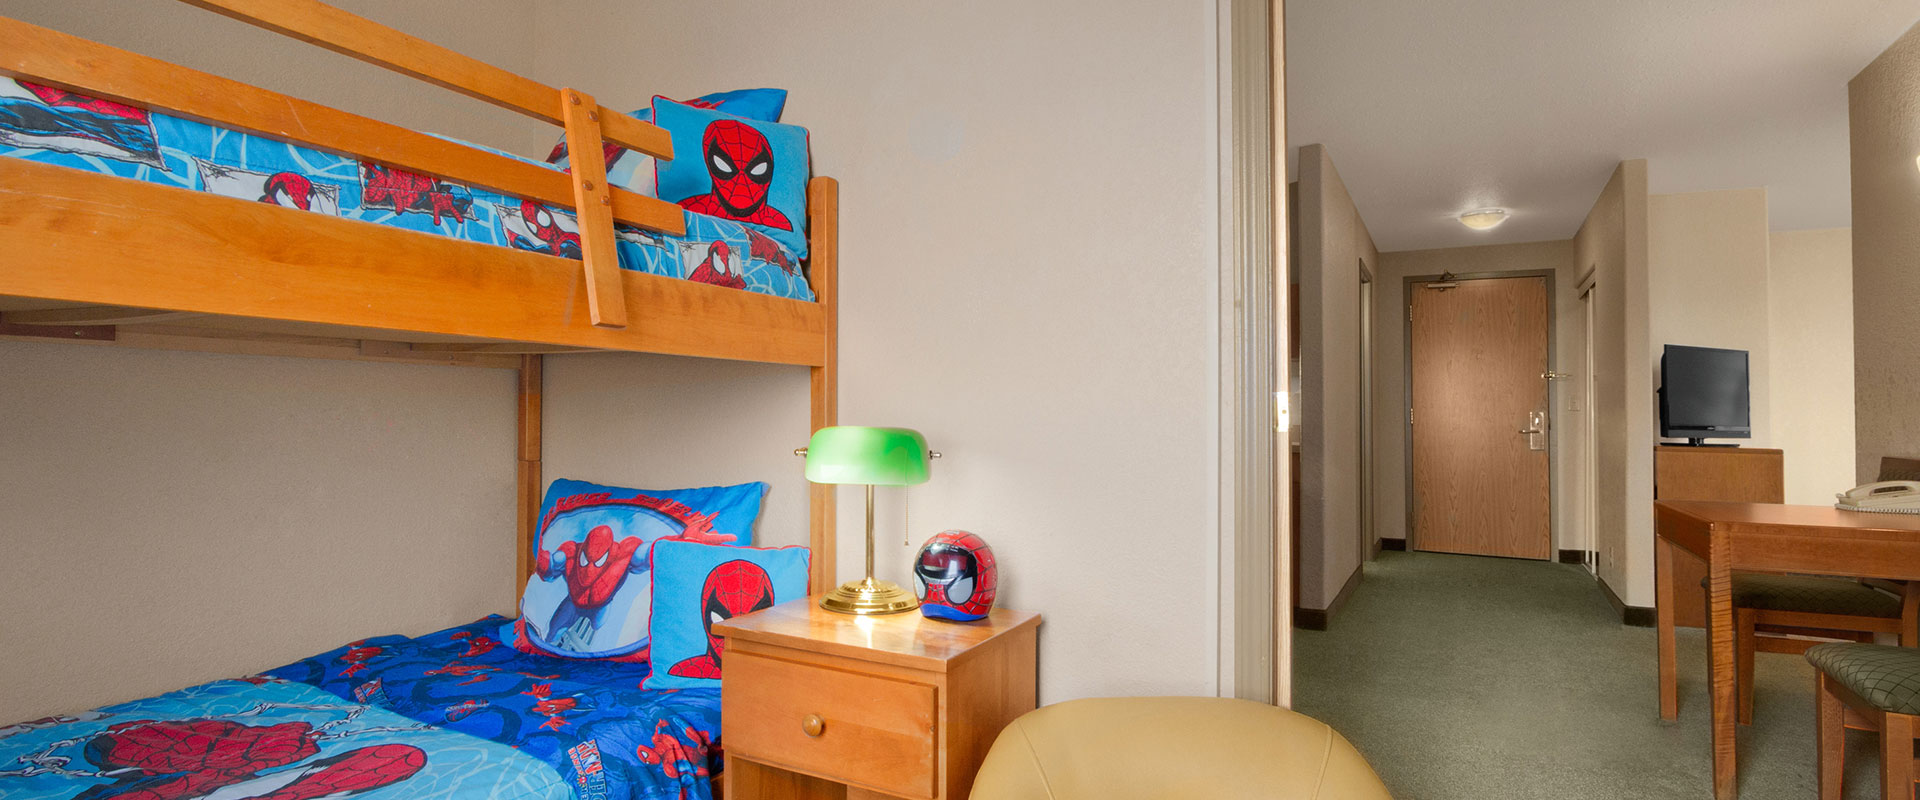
(871, 457)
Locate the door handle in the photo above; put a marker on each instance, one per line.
(1556, 376)
(1531, 431)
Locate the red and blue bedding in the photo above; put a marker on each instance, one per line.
(448, 716)
(53, 126)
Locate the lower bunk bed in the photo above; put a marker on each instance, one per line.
(453, 715)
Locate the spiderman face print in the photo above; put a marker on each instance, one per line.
(740, 162)
(732, 589)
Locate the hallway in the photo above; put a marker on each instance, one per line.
(1467, 677)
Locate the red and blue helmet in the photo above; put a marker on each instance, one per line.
(955, 576)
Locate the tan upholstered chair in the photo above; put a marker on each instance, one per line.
(1172, 747)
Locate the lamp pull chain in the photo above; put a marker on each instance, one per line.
(906, 518)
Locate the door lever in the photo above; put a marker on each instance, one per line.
(1556, 376)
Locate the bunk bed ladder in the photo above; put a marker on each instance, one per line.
(606, 300)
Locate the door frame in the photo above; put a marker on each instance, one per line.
(1408, 286)
(1589, 428)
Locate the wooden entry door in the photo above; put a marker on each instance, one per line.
(1479, 358)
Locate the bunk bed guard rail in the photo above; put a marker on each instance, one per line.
(48, 57)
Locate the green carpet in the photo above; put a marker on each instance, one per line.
(1475, 678)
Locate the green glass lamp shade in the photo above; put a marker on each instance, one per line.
(873, 456)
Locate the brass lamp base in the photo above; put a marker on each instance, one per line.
(869, 596)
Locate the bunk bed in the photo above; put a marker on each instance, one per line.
(106, 260)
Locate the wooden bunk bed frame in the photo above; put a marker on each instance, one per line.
(110, 261)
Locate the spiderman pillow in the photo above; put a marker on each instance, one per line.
(696, 586)
(634, 171)
(590, 593)
(738, 169)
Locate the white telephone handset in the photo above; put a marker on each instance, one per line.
(1890, 497)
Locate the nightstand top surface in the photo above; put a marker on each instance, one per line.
(908, 639)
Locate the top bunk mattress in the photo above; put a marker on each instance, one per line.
(53, 126)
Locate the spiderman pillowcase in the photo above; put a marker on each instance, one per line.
(697, 586)
(590, 594)
(738, 169)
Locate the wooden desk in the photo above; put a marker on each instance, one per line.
(1768, 538)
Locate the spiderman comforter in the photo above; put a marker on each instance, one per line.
(52, 126)
(454, 715)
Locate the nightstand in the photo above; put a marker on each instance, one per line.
(822, 705)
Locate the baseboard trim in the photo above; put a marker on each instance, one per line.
(1317, 619)
(1631, 616)
(1396, 545)
(1573, 556)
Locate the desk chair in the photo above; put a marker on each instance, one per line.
(1831, 608)
(1866, 687)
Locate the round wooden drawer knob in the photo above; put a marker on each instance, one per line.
(813, 725)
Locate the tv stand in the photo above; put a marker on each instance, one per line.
(1726, 474)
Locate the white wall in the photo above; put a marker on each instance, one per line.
(1810, 336)
(1333, 243)
(1707, 280)
(172, 518)
(1612, 245)
(1029, 255)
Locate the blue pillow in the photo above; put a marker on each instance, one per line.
(634, 172)
(696, 585)
(589, 595)
(738, 169)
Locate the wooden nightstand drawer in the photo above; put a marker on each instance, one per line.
(873, 731)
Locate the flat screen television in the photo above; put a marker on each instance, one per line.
(1703, 394)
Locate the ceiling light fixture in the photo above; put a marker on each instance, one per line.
(1481, 219)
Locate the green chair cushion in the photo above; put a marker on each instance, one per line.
(1888, 678)
(1811, 594)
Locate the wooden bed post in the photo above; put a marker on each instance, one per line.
(823, 203)
(528, 505)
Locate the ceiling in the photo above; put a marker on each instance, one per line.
(1433, 107)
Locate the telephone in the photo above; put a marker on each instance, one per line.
(1887, 497)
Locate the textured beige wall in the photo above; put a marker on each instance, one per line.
(1810, 336)
(1044, 307)
(172, 518)
(1708, 284)
(499, 32)
(1390, 364)
(1884, 138)
(664, 422)
(1333, 242)
(250, 511)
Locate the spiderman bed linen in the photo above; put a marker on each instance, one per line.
(454, 715)
(260, 738)
(588, 720)
(52, 126)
